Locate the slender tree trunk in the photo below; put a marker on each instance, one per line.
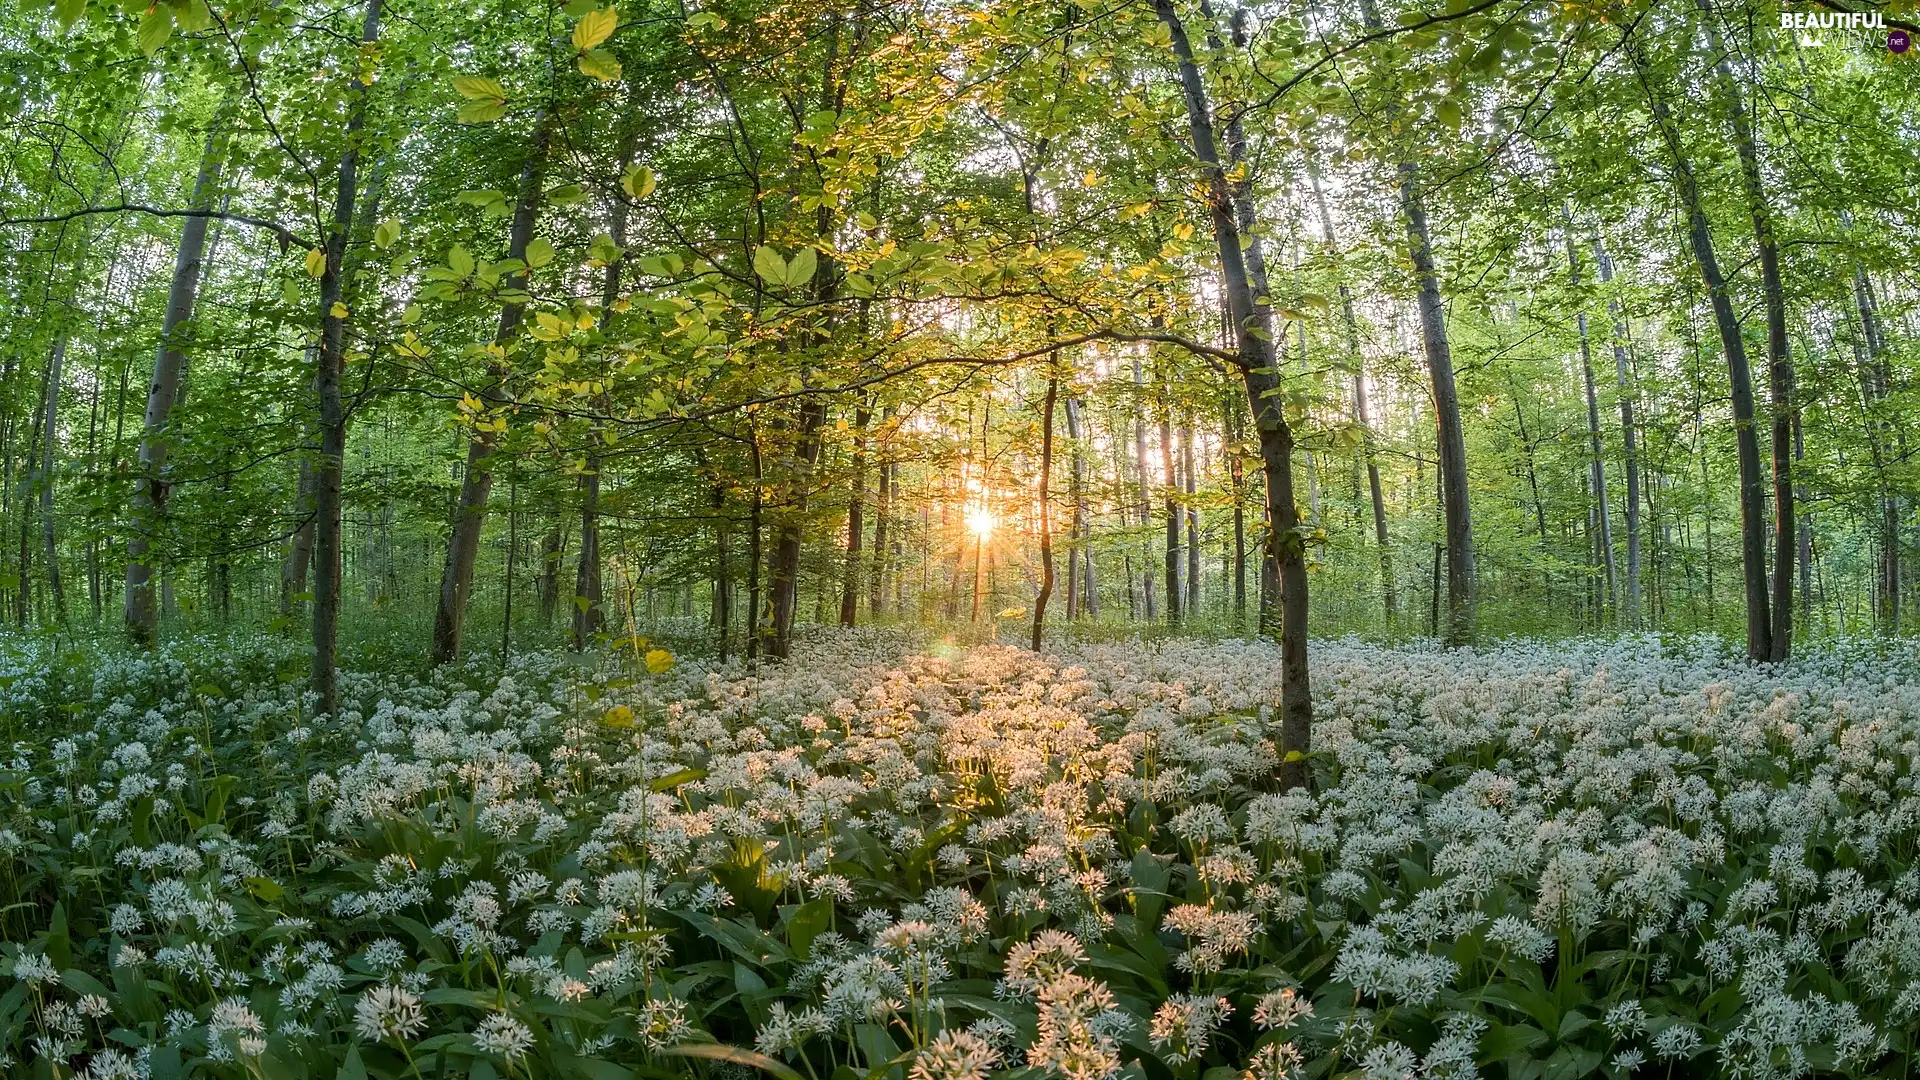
(1753, 498)
(49, 431)
(1193, 520)
(470, 515)
(755, 618)
(1170, 504)
(882, 524)
(1045, 511)
(1446, 400)
(1780, 373)
(856, 524)
(1361, 419)
(722, 568)
(1076, 492)
(1228, 204)
(149, 506)
(549, 583)
(1461, 601)
(333, 417)
(1629, 434)
(1083, 522)
(1149, 605)
(1597, 462)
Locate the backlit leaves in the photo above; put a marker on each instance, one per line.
(486, 98)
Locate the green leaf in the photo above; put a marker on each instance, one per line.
(737, 1055)
(675, 779)
(539, 253)
(809, 921)
(459, 260)
(69, 11)
(353, 1068)
(600, 64)
(386, 233)
(156, 26)
(801, 270)
(769, 265)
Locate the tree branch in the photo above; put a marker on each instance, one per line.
(286, 236)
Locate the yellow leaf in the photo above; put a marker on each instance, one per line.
(316, 263)
(479, 88)
(338, 310)
(1092, 179)
(618, 716)
(659, 660)
(595, 27)
(637, 181)
(599, 64)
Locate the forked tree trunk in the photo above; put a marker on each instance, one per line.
(470, 515)
(1780, 373)
(1753, 497)
(149, 506)
(1227, 204)
(333, 417)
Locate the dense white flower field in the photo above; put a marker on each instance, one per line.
(1585, 859)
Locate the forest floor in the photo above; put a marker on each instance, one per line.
(887, 860)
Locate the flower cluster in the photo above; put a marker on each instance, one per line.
(1595, 857)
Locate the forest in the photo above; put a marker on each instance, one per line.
(1166, 539)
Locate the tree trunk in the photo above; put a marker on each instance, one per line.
(1170, 504)
(1629, 434)
(1780, 373)
(1597, 462)
(463, 546)
(882, 524)
(1461, 600)
(850, 585)
(293, 571)
(722, 568)
(1150, 607)
(1193, 520)
(1446, 402)
(1045, 511)
(1361, 419)
(149, 505)
(1253, 322)
(1089, 605)
(49, 427)
(1753, 498)
(333, 418)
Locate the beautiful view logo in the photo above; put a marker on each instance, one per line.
(1858, 27)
